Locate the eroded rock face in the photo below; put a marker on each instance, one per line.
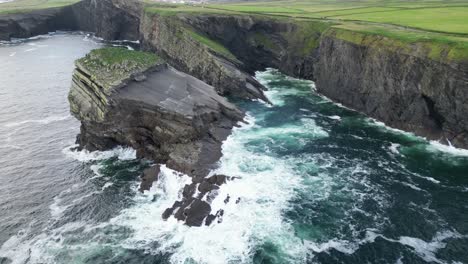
(172, 39)
(290, 46)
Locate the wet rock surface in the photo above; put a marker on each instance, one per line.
(150, 175)
(194, 208)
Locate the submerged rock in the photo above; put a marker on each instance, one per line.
(150, 175)
(167, 116)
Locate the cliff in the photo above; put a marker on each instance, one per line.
(261, 42)
(24, 25)
(133, 98)
(109, 19)
(410, 87)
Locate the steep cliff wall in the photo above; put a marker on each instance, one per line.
(398, 84)
(109, 19)
(25, 25)
(260, 42)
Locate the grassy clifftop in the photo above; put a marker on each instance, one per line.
(436, 46)
(439, 28)
(110, 66)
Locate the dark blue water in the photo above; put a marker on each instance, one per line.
(317, 183)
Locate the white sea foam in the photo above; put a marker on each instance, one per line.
(426, 250)
(57, 208)
(412, 186)
(339, 245)
(122, 153)
(264, 186)
(334, 117)
(107, 185)
(394, 148)
(277, 96)
(435, 145)
(44, 121)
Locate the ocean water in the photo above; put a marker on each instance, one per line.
(315, 182)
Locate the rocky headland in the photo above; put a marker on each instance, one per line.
(171, 108)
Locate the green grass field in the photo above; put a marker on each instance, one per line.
(441, 16)
(20, 6)
(440, 27)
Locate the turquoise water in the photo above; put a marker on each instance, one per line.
(315, 182)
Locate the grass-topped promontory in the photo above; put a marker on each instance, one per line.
(112, 65)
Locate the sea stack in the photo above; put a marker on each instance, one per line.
(135, 99)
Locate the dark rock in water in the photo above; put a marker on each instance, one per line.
(199, 195)
(210, 218)
(218, 179)
(149, 176)
(193, 212)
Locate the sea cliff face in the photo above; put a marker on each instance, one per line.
(405, 89)
(25, 25)
(260, 42)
